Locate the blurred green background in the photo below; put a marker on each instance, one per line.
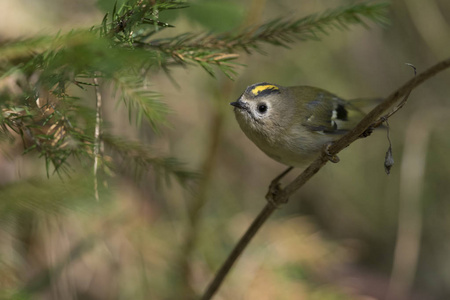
(352, 232)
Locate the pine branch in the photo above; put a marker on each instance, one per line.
(282, 33)
(125, 33)
(139, 157)
(135, 13)
(45, 67)
(44, 197)
(141, 102)
(277, 32)
(219, 50)
(50, 129)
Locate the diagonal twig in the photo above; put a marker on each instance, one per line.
(282, 195)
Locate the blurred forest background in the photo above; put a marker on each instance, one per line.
(352, 232)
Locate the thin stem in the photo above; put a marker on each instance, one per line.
(97, 142)
(283, 194)
(279, 177)
(373, 115)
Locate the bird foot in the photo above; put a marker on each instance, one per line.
(331, 157)
(273, 195)
(274, 190)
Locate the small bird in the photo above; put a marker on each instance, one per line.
(292, 124)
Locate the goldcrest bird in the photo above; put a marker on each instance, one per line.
(292, 124)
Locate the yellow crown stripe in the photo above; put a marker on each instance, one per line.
(261, 88)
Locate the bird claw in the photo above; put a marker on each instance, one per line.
(331, 157)
(274, 190)
(273, 195)
(367, 132)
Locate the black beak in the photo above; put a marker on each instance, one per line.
(238, 104)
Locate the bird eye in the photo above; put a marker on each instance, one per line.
(262, 108)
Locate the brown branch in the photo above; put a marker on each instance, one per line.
(238, 249)
(282, 195)
(372, 116)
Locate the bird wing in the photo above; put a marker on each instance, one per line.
(327, 113)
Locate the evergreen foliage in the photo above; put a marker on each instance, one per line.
(39, 75)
